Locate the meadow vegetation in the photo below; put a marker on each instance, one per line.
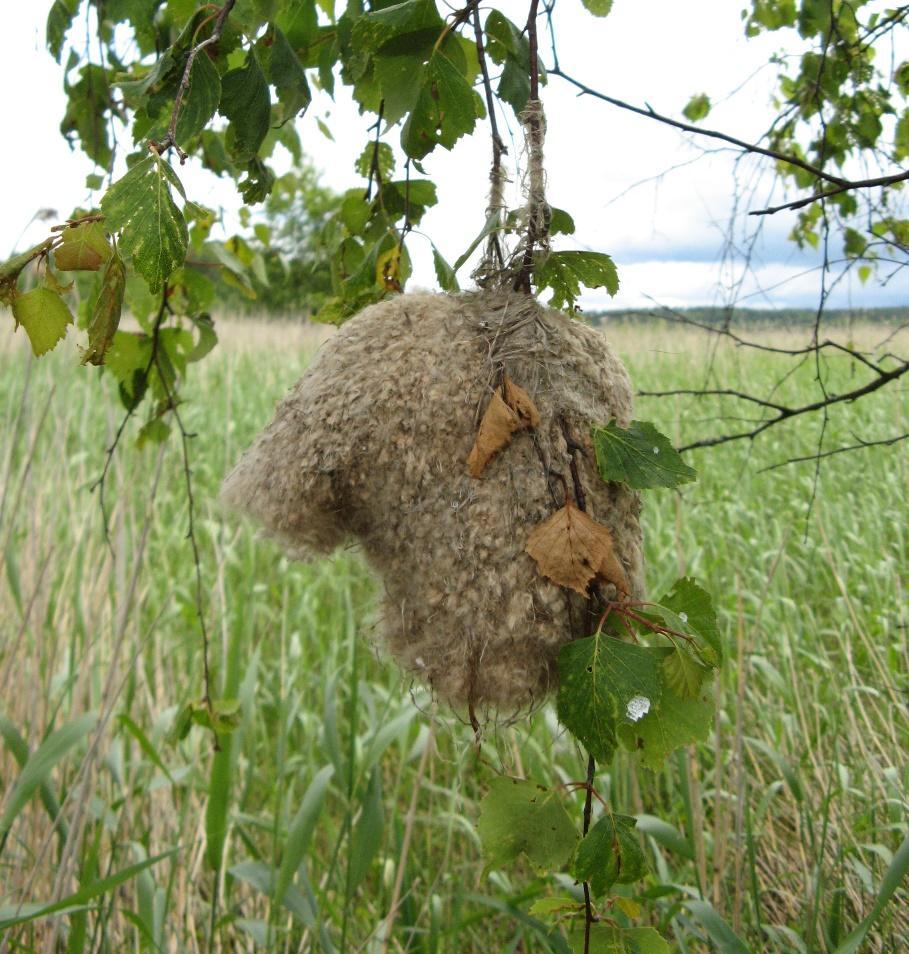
(344, 805)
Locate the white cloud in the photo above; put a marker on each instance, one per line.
(659, 53)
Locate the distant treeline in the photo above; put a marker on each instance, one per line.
(716, 317)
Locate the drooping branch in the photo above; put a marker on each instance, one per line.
(651, 113)
(170, 140)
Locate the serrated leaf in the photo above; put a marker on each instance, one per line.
(543, 907)
(59, 20)
(566, 272)
(84, 248)
(286, 74)
(609, 854)
(639, 456)
(201, 100)
(246, 103)
(604, 939)
(561, 223)
(518, 817)
(106, 312)
(395, 77)
(44, 315)
(446, 109)
(694, 607)
(599, 8)
(401, 27)
(573, 550)
(152, 229)
(379, 153)
(507, 45)
(445, 274)
(605, 683)
(128, 354)
(697, 107)
(683, 673)
(674, 722)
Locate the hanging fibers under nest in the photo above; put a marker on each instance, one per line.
(378, 443)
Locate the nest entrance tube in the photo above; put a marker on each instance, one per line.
(372, 446)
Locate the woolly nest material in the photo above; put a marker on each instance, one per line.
(372, 445)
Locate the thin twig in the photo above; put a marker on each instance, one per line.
(650, 113)
(170, 140)
(861, 445)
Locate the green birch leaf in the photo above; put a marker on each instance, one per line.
(106, 312)
(444, 272)
(604, 683)
(566, 272)
(395, 76)
(246, 103)
(44, 315)
(381, 154)
(152, 229)
(599, 8)
(518, 817)
(609, 854)
(693, 607)
(446, 109)
(201, 100)
(561, 223)
(603, 940)
(683, 673)
(697, 108)
(646, 940)
(59, 20)
(640, 456)
(206, 341)
(399, 28)
(286, 74)
(128, 354)
(546, 907)
(84, 248)
(674, 722)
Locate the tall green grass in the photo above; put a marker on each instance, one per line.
(340, 816)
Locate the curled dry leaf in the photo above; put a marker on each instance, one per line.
(572, 550)
(508, 411)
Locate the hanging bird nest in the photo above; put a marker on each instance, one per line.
(439, 432)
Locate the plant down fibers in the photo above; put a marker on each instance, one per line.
(372, 446)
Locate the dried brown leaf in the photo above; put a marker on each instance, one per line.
(502, 418)
(572, 550)
(521, 403)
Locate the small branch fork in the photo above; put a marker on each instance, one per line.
(881, 377)
(170, 140)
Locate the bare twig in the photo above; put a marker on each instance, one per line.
(861, 445)
(849, 186)
(650, 113)
(882, 379)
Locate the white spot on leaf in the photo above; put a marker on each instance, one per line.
(637, 708)
(683, 617)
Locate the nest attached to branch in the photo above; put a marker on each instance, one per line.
(378, 444)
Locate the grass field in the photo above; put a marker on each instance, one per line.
(342, 781)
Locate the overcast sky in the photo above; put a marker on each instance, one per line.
(646, 194)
